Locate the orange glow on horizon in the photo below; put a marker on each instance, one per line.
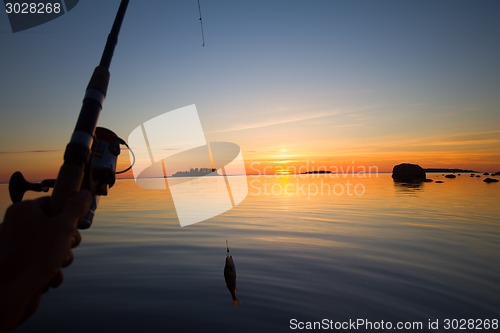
(38, 166)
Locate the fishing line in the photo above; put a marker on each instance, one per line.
(131, 152)
(201, 24)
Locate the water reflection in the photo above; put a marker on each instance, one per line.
(408, 188)
(230, 276)
(306, 255)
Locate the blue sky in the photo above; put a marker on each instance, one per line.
(371, 81)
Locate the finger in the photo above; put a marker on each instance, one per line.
(57, 280)
(69, 259)
(19, 208)
(75, 208)
(76, 239)
(79, 204)
(43, 202)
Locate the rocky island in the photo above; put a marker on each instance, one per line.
(196, 172)
(407, 172)
(316, 172)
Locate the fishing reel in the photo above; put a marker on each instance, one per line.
(100, 173)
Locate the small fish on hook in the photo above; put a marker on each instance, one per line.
(230, 276)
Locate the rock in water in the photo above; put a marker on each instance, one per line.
(408, 173)
(490, 180)
(450, 176)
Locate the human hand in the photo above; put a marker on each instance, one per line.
(33, 249)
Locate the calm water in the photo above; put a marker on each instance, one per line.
(302, 249)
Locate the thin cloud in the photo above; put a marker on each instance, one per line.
(469, 140)
(464, 139)
(31, 151)
(296, 118)
(273, 122)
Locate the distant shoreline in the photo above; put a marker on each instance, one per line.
(431, 170)
(428, 170)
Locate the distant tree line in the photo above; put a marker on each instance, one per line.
(194, 172)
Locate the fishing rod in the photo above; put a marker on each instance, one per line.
(91, 154)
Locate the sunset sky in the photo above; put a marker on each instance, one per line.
(292, 82)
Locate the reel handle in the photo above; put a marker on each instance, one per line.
(18, 185)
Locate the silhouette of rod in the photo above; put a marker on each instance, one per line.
(109, 49)
(77, 154)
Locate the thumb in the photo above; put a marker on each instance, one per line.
(75, 208)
